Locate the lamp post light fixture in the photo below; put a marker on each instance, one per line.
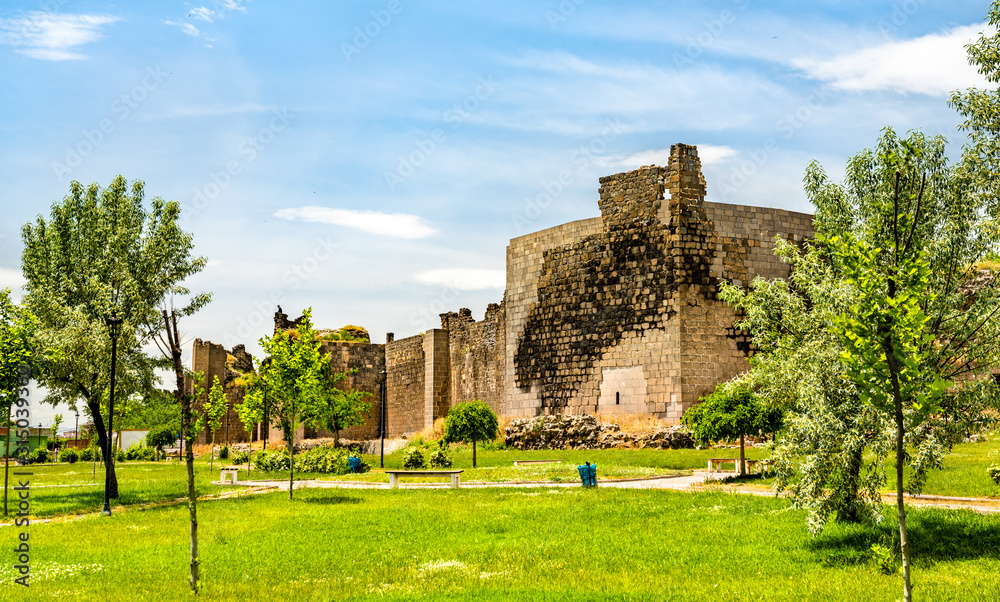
(381, 453)
(114, 324)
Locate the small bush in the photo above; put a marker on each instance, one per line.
(120, 456)
(87, 454)
(240, 457)
(994, 472)
(69, 455)
(224, 453)
(271, 460)
(139, 452)
(39, 456)
(413, 459)
(327, 460)
(440, 459)
(884, 559)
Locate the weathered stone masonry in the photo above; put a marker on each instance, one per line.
(614, 314)
(620, 313)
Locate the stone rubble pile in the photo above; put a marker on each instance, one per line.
(583, 431)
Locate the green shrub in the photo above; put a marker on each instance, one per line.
(884, 559)
(994, 472)
(69, 455)
(329, 460)
(240, 457)
(137, 451)
(88, 454)
(413, 459)
(440, 459)
(39, 456)
(224, 453)
(119, 455)
(271, 460)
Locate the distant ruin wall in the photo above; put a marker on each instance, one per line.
(215, 361)
(404, 359)
(369, 361)
(477, 356)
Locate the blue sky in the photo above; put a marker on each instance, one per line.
(373, 159)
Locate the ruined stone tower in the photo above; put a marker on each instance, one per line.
(619, 313)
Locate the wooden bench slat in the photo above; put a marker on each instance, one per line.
(395, 474)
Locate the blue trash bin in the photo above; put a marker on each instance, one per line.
(354, 464)
(588, 474)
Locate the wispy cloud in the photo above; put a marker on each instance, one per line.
(207, 15)
(395, 225)
(52, 37)
(464, 279)
(934, 64)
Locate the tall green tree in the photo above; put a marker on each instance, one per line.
(915, 322)
(471, 421)
(18, 349)
(102, 251)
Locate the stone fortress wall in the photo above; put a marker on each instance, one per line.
(613, 314)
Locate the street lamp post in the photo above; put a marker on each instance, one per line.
(114, 324)
(381, 453)
(76, 432)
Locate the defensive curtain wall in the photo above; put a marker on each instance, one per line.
(613, 314)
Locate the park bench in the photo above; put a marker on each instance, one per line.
(395, 474)
(716, 464)
(227, 473)
(526, 462)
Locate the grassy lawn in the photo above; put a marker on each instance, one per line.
(964, 472)
(503, 544)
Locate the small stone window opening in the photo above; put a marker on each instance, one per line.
(617, 398)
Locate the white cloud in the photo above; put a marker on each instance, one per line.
(709, 154)
(396, 225)
(52, 37)
(11, 278)
(187, 28)
(934, 64)
(464, 279)
(203, 13)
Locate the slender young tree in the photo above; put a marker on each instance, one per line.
(294, 379)
(214, 407)
(189, 431)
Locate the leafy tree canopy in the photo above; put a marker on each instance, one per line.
(471, 421)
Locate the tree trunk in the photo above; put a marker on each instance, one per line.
(187, 439)
(743, 459)
(473, 453)
(6, 461)
(897, 399)
(105, 443)
(291, 463)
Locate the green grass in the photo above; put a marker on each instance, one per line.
(964, 472)
(515, 544)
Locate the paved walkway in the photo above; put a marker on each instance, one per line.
(692, 482)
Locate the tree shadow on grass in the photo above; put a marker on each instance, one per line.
(934, 535)
(332, 500)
